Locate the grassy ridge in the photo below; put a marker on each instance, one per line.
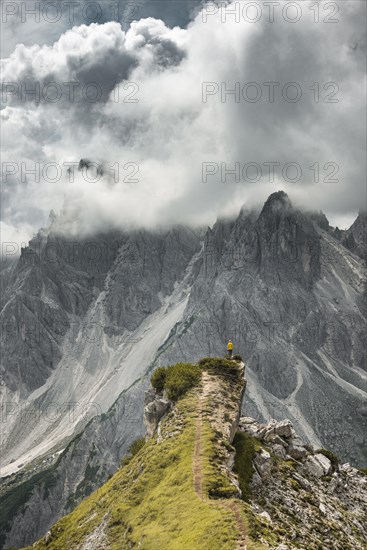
(151, 501)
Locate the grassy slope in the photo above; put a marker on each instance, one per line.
(152, 501)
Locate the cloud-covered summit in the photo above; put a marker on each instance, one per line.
(171, 110)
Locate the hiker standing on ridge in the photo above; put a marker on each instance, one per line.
(229, 348)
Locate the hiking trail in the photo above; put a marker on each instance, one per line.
(209, 386)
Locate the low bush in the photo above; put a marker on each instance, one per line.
(158, 379)
(237, 357)
(136, 446)
(180, 378)
(176, 379)
(133, 450)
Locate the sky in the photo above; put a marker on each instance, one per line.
(121, 114)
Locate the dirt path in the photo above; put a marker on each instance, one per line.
(242, 540)
(231, 504)
(197, 469)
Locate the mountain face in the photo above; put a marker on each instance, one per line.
(35, 498)
(208, 478)
(291, 297)
(355, 237)
(73, 314)
(84, 320)
(56, 280)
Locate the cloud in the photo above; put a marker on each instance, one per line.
(155, 138)
(42, 22)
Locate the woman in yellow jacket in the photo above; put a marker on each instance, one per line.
(230, 348)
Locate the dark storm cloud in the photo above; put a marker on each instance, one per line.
(83, 67)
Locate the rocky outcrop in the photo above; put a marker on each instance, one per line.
(283, 442)
(356, 236)
(307, 498)
(156, 406)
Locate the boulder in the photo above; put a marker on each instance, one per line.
(313, 467)
(266, 516)
(275, 439)
(279, 450)
(250, 429)
(324, 462)
(306, 485)
(261, 433)
(247, 420)
(270, 427)
(263, 463)
(297, 452)
(284, 428)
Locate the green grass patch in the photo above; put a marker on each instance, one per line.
(245, 454)
(220, 366)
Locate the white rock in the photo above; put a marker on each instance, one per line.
(297, 452)
(306, 485)
(261, 433)
(262, 462)
(284, 428)
(266, 516)
(250, 428)
(313, 467)
(324, 462)
(264, 454)
(247, 420)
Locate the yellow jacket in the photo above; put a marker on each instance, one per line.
(230, 346)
